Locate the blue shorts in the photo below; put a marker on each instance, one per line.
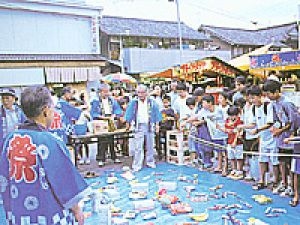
(235, 153)
(273, 159)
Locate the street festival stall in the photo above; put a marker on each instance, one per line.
(211, 73)
(287, 64)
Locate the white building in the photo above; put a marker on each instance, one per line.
(48, 42)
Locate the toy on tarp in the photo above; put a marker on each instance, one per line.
(138, 195)
(187, 223)
(168, 185)
(216, 188)
(130, 214)
(218, 207)
(200, 217)
(115, 209)
(262, 199)
(149, 215)
(180, 208)
(203, 198)
(229, 218)
(193, 180)
(274, 212)
(119, 221)
(165, 199)
(255, 221)
(111, 180)
(144, 205)
(148, 223)
(128, 175)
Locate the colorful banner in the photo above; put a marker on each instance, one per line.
(275, 60)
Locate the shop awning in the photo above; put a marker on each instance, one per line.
(72, 74)
(281, 61)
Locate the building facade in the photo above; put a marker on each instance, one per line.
(241, 41)
(52, 41)
(142, 45)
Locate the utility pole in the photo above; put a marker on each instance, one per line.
(179, 30)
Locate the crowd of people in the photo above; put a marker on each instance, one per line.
(250, 132)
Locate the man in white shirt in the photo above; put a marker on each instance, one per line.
(143, 116)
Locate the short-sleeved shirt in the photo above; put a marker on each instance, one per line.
(167, 124)
(213, 118)
(230, 127)
(180, 107)
(282, 116)
(248, 119)
(261, 119)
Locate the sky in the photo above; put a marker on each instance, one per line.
(246, 14)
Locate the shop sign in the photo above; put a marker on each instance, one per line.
(274, 60)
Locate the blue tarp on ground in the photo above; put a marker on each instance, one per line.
(168, 172)
(206, 180)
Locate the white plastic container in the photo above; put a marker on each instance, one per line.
(138, 187)
(112, 194)
(168, 185)
(144, 205)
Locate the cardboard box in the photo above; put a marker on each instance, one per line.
(100, 126)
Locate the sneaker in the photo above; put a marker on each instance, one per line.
(258, 186)
(100, 163)
(248, 178)
(238, 175)
(117, 161)
(151, 165)
(81, 161)
(231, 174)
(277, 190)
(87, 161)
(288, 192)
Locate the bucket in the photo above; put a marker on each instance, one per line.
(80, 129)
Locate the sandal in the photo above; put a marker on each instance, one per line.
(90, 174)
(258, 186)
(293, 203)
(217, 170)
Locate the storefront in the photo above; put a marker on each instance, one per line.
(286, 64)
(54, 70)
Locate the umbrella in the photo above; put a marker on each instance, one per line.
(119, 78)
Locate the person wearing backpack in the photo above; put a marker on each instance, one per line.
(284, 114)
(262, 119)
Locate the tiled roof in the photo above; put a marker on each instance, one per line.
(264, 36)
(147, 28)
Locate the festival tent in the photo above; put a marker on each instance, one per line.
(195, 70)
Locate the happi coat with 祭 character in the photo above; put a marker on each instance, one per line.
(38, 182)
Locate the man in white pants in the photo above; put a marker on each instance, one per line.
(143, 116)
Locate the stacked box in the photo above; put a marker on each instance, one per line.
(177, 147)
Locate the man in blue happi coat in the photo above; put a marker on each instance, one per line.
(143, 116)
(11, 114)
(34, 166)
(105, 107)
